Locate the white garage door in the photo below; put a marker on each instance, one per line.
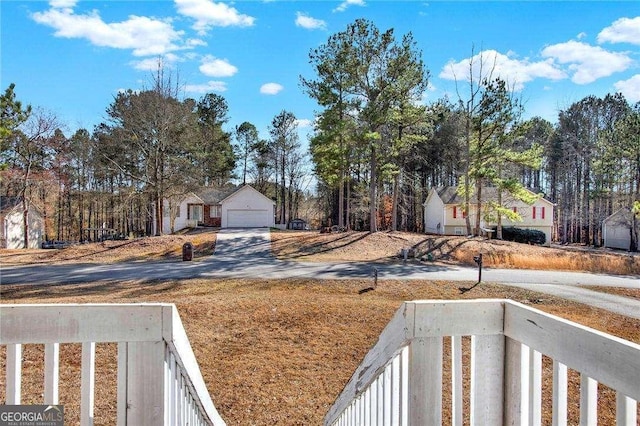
(247, 218)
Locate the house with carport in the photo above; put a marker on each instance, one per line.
(225, 207)
(444, 214)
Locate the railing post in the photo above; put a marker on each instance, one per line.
(487, 379)
(425, 381)
(146, 383)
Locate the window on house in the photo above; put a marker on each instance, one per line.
(538, 212)
(215, 211)
(458, 231)
(195, 212)
(459, 212)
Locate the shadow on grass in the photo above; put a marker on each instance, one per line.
(59, 292)
(324, 246)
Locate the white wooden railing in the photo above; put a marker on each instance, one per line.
(159, 381)
(400, 381)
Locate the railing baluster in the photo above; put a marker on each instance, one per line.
(174, 390)
(387, 395)
(380, 415)
(181, 399)
(51, 373)
(14, 374)
(404, 385)
(395, 392)
(456, 381)
(87, 385)
(559, 409)
(516, 382)
(535, 387)
(373, 403)
(122, 385)
(367, 407)
(168, 384)
(626, 410)
(588, 401)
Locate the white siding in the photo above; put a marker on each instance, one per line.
(13, 230)
(181, 220)
(617, 236)
(247, 208)
(434, 214)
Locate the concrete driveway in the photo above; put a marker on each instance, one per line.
(248, 244)
(246, 253)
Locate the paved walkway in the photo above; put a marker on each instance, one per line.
(246, 254)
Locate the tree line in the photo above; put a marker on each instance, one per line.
(154, 145)
(378, 149)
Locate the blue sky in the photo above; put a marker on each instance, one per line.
(71, 57)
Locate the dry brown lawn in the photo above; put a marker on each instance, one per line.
(272, 352)
(386, 247)
(277, 352)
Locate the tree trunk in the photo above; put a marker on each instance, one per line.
(372, 191)
(478, 207)
(394, 206)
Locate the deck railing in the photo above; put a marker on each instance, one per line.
(158, 378)
(400, 381)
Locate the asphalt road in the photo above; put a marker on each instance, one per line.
(246, 254)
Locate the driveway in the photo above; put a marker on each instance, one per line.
(244, 244)
(246, 253)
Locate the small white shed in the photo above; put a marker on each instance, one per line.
(247, 208)
(616, 229)
(12, 222)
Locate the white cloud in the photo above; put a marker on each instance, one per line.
(515, 72)
(209, 14)
(346, 3)
(630, 88)
(624, 30)
(588, 63)
(151, 64)
(63, 3)
(214, 67)
(304, 123)
(211, 86)
(145, 36)
(271, 89)
(305, 21)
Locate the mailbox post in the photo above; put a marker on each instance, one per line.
(478, 260)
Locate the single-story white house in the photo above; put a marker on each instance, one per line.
(12, 221)
(444, 215)
(227, 207)
(616, 229)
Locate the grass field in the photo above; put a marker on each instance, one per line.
(274, 352)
